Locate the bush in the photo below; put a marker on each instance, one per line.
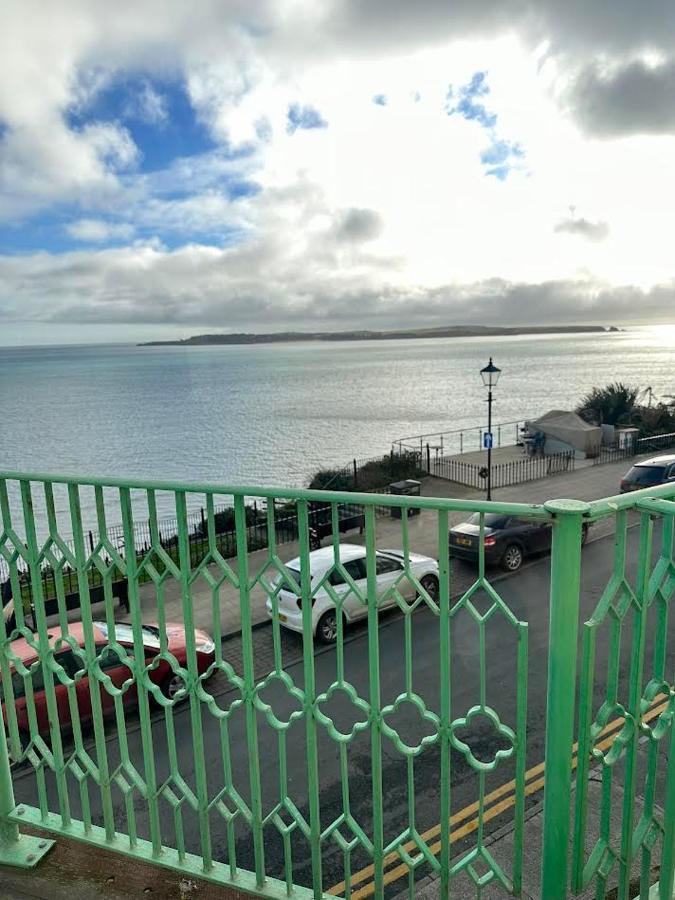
(611, 405)
(224, 521)
(371, 475)
(617, 404)
(332, 480)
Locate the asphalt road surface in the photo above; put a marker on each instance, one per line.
(525, 593)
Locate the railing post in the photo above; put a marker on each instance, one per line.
(16, 849)
(561, 693)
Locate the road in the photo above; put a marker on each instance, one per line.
(526, 594)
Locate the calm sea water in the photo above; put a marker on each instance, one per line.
(273, 414)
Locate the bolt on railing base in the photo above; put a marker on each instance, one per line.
(25, 851)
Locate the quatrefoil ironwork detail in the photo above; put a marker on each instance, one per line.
(607, 713)
(154, 688)
(425, 715)
(498, 730)
(123, 658)
(210, 700)
(356, 705)
(294, 694)
(656, 688)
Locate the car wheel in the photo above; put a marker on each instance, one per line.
(512, 559)
(327, 627)
(430, 585)
(171, 685)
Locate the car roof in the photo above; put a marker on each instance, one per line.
(23, 650)
(323, 558)
(658, 460)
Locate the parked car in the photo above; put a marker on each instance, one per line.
(507, 539)
(649, 473)
(390, 572)
(110, 664)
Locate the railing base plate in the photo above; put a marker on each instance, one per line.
(26, 852)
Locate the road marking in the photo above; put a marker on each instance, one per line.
(534, 783)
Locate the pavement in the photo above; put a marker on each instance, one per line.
(590, 483)
(501, 846)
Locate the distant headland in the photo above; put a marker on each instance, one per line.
(441, 332)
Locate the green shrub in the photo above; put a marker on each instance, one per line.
(371, 475)
(617, 404)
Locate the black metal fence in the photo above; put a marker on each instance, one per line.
(503, 474)
(285, 526)
(632, 446)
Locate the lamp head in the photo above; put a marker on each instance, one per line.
(490, 375)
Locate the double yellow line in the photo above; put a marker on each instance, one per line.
(495, 803)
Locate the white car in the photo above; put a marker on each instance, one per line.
(390, 572)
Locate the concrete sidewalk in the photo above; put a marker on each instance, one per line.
(500, 845)
(590, 483)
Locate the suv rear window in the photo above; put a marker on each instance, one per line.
(646, 474)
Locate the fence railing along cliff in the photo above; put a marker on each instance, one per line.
(331, 773)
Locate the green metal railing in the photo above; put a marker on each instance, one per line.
(287, 769)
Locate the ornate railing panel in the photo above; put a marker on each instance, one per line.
(286, 767)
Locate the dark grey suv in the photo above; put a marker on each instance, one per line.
(649, 473)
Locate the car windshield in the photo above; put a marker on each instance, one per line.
(492, 520)
(124, 633)
(646, 474)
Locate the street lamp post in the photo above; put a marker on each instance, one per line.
(490, 375)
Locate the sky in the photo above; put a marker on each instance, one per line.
(172, 168)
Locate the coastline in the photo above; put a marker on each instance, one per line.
(202, 340)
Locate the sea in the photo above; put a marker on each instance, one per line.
(273, 414)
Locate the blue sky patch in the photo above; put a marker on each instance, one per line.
(501, 156)
(157, 114)
(465, 101)
(501, 173)
(306, 117)
(380, 99)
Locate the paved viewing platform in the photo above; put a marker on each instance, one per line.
(511, 454)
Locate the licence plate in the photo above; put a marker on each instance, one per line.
(465, 542)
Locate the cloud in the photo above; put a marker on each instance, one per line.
(621, 100)
(112, 144)
(44, 163)
(148, 105)
(388, 211)
(251, 288)
(97, 231)
(358, 225)
(592, 231)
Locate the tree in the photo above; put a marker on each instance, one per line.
(611, 405)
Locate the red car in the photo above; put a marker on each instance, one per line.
(110, 664)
